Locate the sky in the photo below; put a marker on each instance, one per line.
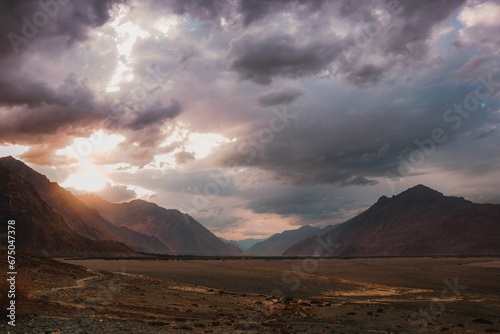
(254, 116)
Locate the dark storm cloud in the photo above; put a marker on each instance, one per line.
(201, 9)
(344, 148)
(254, 10)
(314, 205)
(261, 57)
(26, 92)
(22, 22)
(46, 112)
(249, 10)
(419, 19)
(155, 115)
(283, 96)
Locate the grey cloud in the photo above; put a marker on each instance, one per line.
(201, 183)
(419, 18)
(342, 148)
(117, 194)
(283, 96)
(156, 114)
(315, 205)
(259, 58)
(72, 104)
(71, 20)
(201, 9)
(367, 75)
(254, 10)
(138, 149)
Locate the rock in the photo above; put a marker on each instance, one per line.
(482, 321)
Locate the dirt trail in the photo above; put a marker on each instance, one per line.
(80, 283)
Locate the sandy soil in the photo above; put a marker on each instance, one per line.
(406, 295)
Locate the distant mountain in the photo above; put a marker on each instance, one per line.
(244, 244)
(280, 242)
(180, 232)
(418, 222)
(39, 229)
(82, 219)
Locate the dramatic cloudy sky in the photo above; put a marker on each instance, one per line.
(254, 116)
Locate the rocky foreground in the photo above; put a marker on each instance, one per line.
(56, 297)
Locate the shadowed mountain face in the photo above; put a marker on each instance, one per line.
(180, 232)
(85, 221)
(419, 221)
(39, 229)
(278, 243)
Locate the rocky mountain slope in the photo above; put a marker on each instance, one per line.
(420, 221)
(39, 229)
(82, 219)
(180, 232)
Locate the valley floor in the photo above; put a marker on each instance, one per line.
(392, 295)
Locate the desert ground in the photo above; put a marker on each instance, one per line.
(248, 295)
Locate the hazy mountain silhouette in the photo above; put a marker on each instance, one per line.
(243, 244)
(280, 242)
(419, 221)
(82, 219)
(39, 229)
(180, 232)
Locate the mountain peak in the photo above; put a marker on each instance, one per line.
(421, 191)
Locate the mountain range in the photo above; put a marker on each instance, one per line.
(178, 234)
(278, 243)
(418, 222)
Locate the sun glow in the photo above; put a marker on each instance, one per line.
(88, 180)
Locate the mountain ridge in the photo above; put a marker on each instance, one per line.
(42, 231)
(179, 231)
(419, 221)
(82, 219)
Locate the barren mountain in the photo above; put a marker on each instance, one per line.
(39, 229)
(180, 232)
(419, 221)
(85, 221)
